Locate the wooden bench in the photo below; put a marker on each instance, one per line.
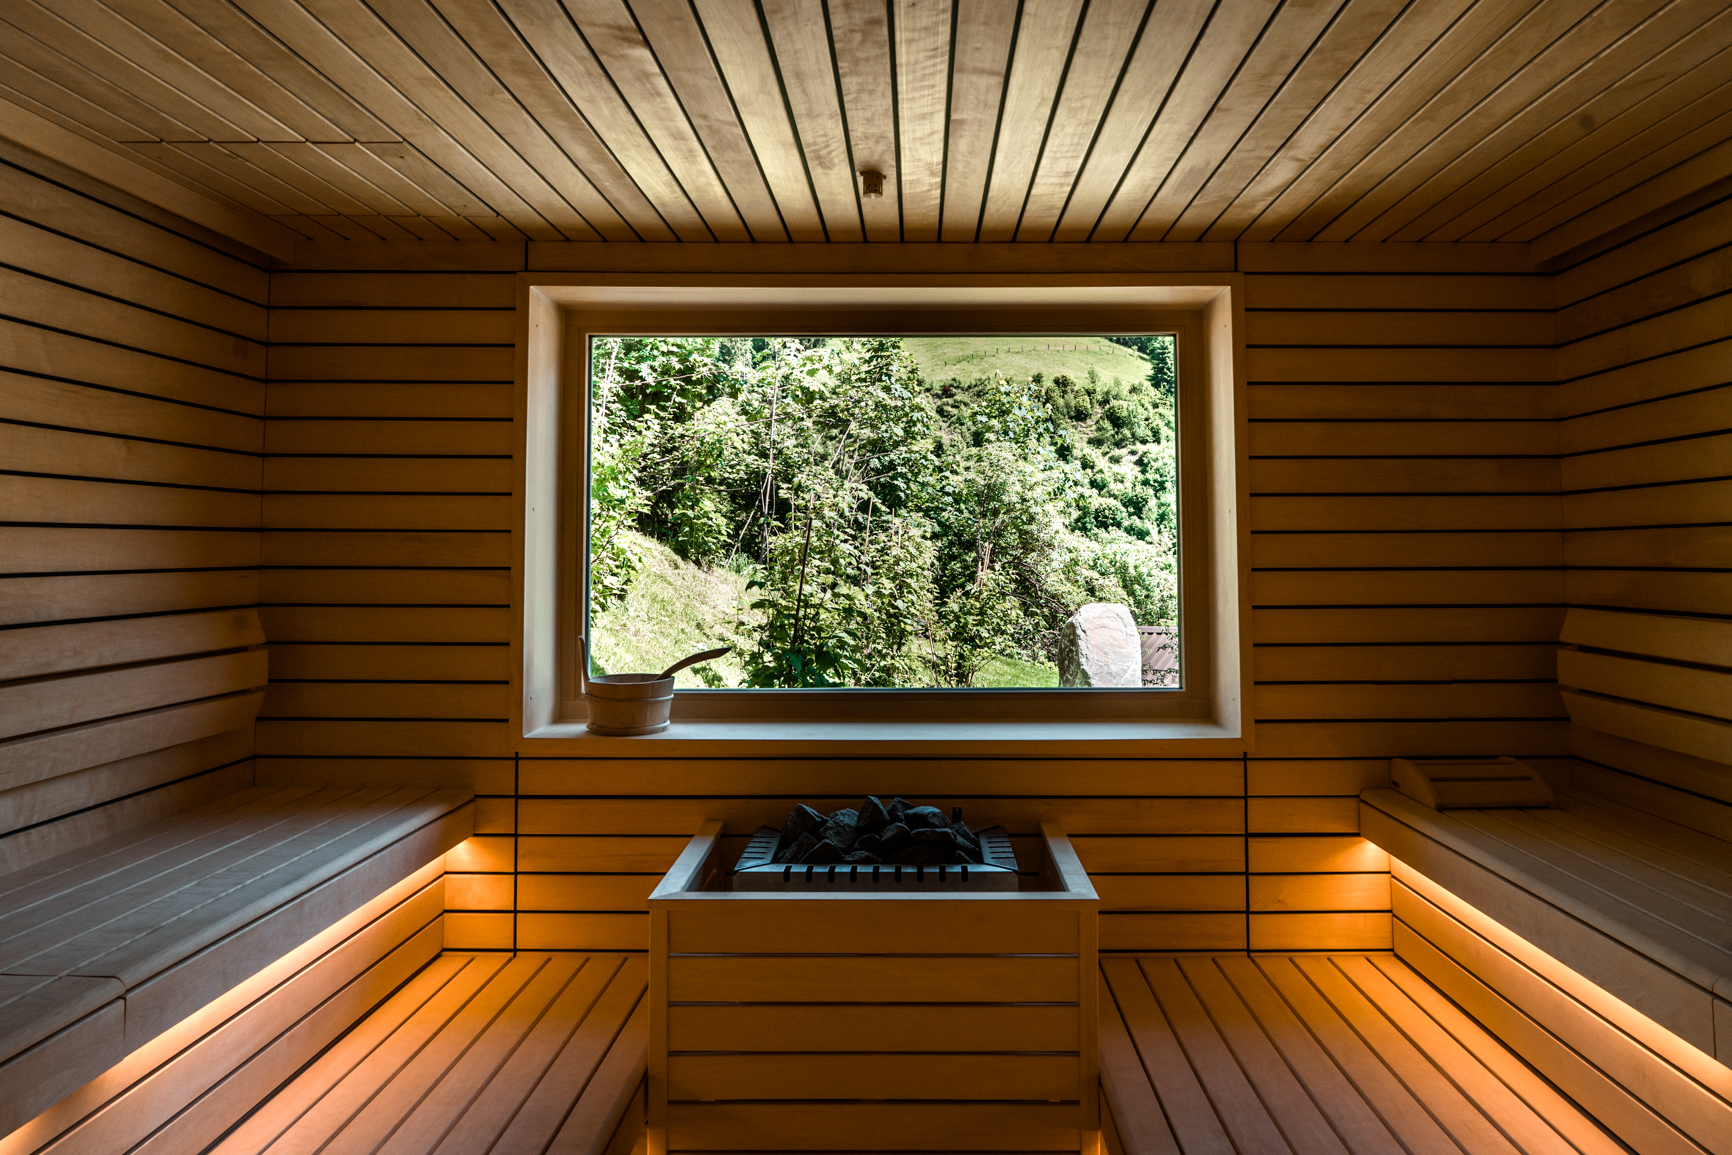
(1637, 905)
(1312, 1053)
(519, 1054)
(1595, 938)
(105, 948)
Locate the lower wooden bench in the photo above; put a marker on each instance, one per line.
(1596, 939)
(1318, 1054)
(1635, 904)
(479, 1053)
(105, 948)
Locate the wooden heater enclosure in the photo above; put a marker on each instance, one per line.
(963, 1021)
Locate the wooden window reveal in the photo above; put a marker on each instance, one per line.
(557, 313)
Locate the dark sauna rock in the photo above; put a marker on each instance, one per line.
(892, 839)
(798, 852)
(873, 816)
(842, 828)
(948, 842)
(927, 817)
(892, 833)
(932, 853)
(802, 820)
(823, 853)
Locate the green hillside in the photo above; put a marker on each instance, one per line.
(673, 609)
(941, 358)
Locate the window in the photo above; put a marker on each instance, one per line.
(744, 342)
(884, 511)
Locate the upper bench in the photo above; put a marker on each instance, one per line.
(1636, 904)
(106, 947)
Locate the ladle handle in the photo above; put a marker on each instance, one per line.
(705, 656)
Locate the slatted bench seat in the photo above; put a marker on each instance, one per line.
(104, 948)
(1316, 1055)
(1633, 903)
(477, 1054)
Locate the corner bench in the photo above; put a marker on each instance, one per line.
(104, 948)
(1595, 939)
(1638, 905)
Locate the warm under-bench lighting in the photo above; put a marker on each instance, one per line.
(1644, 1030)
(141, 1063)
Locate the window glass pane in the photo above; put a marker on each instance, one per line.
(896, 512)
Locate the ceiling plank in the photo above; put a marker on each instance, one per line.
(364, 44)
(1609, 173)
(1355, 29)
(611, 33)
(922, 38)
(195, 49)
(1617, 77)
(732, 31)
(1251, 215)
(297, 28)
(980, 64)
(255, 165)
(1254, 215)
(1239, 64)
(1443, 83)
(43, 96)
(1491, 100)
(333, 183)
(231, 26)
(434, 183)
(746, 120)
(568, 97)
(1596, 127)
(202, 175)
(800, 40)
(88, 51)
(677, 43)
(860, 34)
(392, 185)
(1155, 68)
(444, 68)
(1044, 39)
(91, 159)
(57, 68)
(1095, 70)
(1662, 176)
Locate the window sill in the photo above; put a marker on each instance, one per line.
(1176, 738)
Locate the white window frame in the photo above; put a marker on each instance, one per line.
(1207, 716)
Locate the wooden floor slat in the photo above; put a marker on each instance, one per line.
(1325, 1053)
(478, 1054)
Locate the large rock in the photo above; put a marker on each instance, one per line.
(1099, 646)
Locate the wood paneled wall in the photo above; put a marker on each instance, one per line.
(1645, 363)
(131, 420)
(1408, 588)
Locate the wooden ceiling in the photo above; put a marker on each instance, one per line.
(993, 120)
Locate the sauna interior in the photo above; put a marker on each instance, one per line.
(305, 847)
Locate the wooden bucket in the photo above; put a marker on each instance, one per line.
(624, 705)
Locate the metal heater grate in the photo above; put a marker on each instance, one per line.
(758, 870)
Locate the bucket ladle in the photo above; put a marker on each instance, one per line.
(704, 656)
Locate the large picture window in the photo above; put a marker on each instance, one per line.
(885, 511)
(902, 499)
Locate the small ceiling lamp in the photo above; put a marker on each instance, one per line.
(871, 183)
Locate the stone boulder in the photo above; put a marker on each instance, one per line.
(1099, 646)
